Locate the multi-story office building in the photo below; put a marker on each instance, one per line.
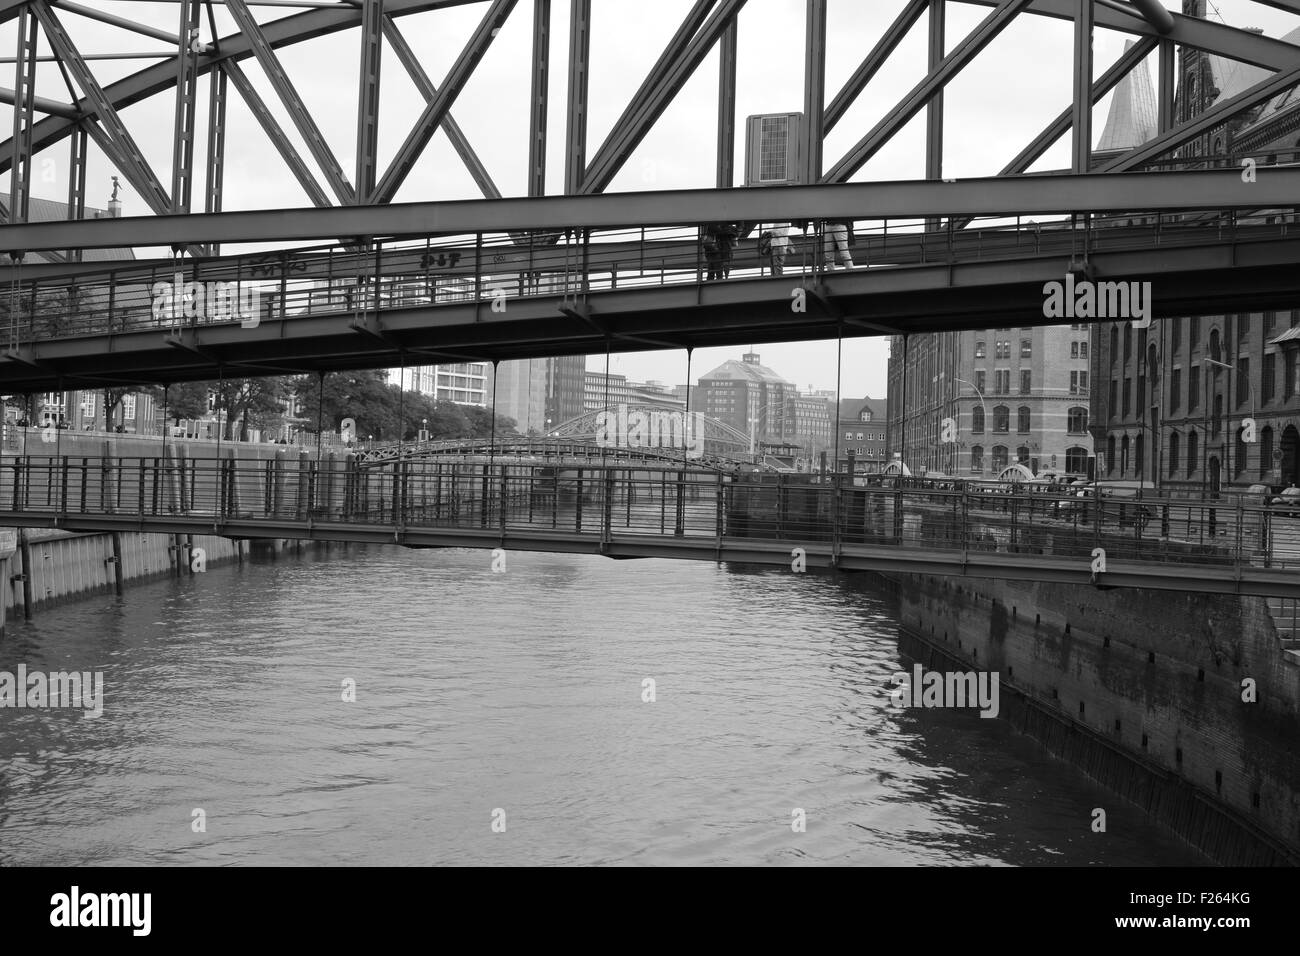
(541, 394)
(749, 397)
(600, 393)
(465, 383)
(863, 433)
(1173, 403)
(972, 403)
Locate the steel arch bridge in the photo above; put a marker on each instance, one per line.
(83, 105)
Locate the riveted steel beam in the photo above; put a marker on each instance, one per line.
(433, 113)
(538, 102)
(372, 43)
(24, 116)
(575, 137)
(187, 89)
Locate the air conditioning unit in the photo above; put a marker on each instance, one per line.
(772, 149)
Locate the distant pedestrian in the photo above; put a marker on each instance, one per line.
(728, 233)
(837, 237)
(774, 244)
(712, 253)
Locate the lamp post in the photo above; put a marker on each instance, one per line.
(983, 407)
(1249, 386)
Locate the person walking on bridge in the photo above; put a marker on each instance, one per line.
(838, 235)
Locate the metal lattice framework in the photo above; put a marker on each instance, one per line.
(90, 107)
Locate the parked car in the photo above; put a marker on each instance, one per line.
(1287, 503)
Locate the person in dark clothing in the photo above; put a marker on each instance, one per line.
(712, 253)
(728, 233)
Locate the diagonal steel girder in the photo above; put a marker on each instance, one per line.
(434, 111)
(257, 106)
(659, 72)
(24, 99)
(129, 157)
(291, 101)
(666, 79)
(1059, 126)
(923, 92)
(1217, 114)
(1005, 196)
(402, 50)
(877, 58)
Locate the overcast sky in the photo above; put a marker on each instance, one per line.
(1003, 99)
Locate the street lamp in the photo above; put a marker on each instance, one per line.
(983, 407)
(1249, 385)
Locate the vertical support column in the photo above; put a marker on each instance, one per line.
(575, 154)
(934, 109)
(24, 116)
(727, 107)
(1081, 146)
(216, 144)
(814, 90)
(1165, 92)
(187, 86)
(76, 182)
(372, 43)
(540, 98)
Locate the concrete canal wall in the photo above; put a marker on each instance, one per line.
(1143, 691)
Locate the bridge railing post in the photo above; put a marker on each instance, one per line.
(577, 507)
(478, 266)
(607, 522)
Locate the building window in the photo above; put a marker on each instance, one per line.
(976, 457)
(1193, 452)
(1175, 389)
(1128, 395)
(1128, 342)
(1111, 407)
(1139, 454)
(1022, 455)
(1022, 420)
(1175, 334)
(1123, 456)
(1241, 453)
(1003, 349)
(980, 379)
(1265, 451)
(1268, 378)
(1077, 419)
(1175, 440)
(1216, 419)
(1110, 455)
(1114, 343)
(977, 420)
(1002, 381)
(1026, 348)
(1078, 383)
(1243, 380)
(1026, 381)
(1288, 374)
(1001, 419)
(999, 458)
(1193, 388)
(980, 351)
(1076, 460)
(1193, 333)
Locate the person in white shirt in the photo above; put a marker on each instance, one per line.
(780, 246)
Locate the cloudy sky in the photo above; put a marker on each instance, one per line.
(1020, 82)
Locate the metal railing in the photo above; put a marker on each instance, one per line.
(482, 267)
(643, 499)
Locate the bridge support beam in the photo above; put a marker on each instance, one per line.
(814, 90)
(575, 151)
(727, 107)
(539, 98)
(1081, 147)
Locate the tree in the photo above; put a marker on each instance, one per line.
(253, 401)
(187, 400)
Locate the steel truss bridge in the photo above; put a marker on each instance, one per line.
(642, 509)
(398, 282)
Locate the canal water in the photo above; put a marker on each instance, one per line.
(516, 698)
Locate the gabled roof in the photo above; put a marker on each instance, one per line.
(745, 372)
(851, 409)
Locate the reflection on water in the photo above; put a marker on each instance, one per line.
(520, 692)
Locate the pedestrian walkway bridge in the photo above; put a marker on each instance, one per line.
(644, 510)
(516, 293)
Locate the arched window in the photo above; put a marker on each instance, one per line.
(1123, 456)
(1077, 420)
(1114, 343)
(1193, 452)
(1128, 341)
(1241, 453)
(1022, 454)
(976, 458)
(1022, 420)
(999, 458)
(977, 420)
(1110, 454)
(1216, 420)
(1001, 418)
(1175, 443)
(1216, 350)
(1076, 460)
(1139, 455)
(1265, 451)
